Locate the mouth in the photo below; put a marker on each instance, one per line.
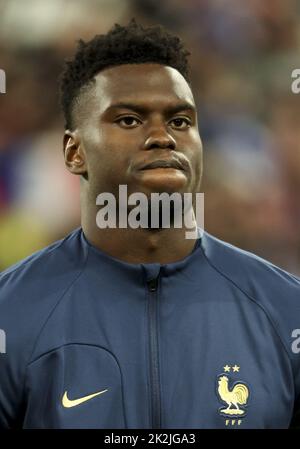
(175, 164)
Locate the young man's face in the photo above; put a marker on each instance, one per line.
(140, 114)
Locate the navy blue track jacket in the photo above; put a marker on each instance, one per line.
(211, 341)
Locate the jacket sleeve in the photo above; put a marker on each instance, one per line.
(13, 356)
(10, 394)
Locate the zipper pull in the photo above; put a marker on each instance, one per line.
(152, 284)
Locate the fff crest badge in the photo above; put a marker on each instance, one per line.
(233, 393)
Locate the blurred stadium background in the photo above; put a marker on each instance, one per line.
(243, 54)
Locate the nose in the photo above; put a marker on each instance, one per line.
(158, 137)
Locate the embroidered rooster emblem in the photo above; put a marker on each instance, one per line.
(237, 396)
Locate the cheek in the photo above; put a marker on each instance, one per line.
(116, 149)
(105, 153)
(196, 161)
(196, 153)
(108, 170)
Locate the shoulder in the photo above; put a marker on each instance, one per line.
(245, 268)
(269, 287)
(44, 266)
(30, 289)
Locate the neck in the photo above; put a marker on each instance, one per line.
(140, 245)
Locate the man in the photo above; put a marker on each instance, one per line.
(136, 327)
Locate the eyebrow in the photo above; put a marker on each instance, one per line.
(141, 109)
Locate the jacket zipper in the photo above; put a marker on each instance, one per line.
(154, 360)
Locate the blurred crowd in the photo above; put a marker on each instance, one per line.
(242, 56)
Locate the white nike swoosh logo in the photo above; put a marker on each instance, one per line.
(66, 402)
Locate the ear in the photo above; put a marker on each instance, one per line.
(74, 155)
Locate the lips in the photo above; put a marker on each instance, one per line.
(164, 163)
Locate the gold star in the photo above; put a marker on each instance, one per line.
(236, 369)
(226, 369)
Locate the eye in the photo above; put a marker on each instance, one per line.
(128, 121)
(180, 123)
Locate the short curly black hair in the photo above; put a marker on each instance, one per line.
(131, 44)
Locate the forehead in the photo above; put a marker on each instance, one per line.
(153, 84)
